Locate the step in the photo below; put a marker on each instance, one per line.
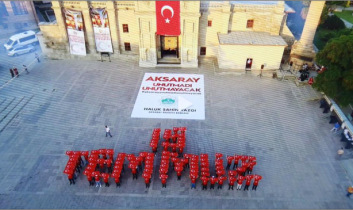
(14, 112)
(9, 108)
(5, 104)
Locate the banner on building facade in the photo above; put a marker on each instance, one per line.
(168, 18)
(101, 30)
(74, 25)
(171, 96)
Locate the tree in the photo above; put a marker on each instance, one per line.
(337, 80)
(324, 15)
(334, 23)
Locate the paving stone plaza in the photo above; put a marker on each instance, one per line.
(67, 104)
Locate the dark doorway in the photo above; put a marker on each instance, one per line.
(248, 64)
(169, 50)
(169, 45)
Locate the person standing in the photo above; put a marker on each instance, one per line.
(106, 179)
(25, 68)
(15, 71)
(236, 160)
(71, 178)
(37, 57)
(11, 72)
(204, 182)
(257, 178)
(164, 178)
(97, 179)
(229, 161)
(193, 182)
(107, 132)
(336, 127)
(240, 182)
(134, 172)
(349, 191)
(231, 181)
(220, 181)
(213, 181)
(248, 179)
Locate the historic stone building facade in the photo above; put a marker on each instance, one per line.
(239, 35)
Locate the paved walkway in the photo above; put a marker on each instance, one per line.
(272, 120)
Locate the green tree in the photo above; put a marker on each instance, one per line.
(337, 80)
(324, 15)
(334, 23)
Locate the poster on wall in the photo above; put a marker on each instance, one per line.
(101, 29)
(171, 96)
(74, 25)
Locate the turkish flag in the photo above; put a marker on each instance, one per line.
(168, 17)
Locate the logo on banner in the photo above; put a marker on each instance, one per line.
(168, 101)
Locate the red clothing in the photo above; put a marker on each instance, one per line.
(236, 159)
(221, 179)
(193, 180)
(244, 158)
(245, 164)
(179, 173)
(108, 162)
(248, 179)
(117, 179)
(213, 180)
(240, 179)
(252, 158)
(257, 179)
(71, 176)
(232, 173)
(105, 177)
(204, 180)
(251, 165)
(164, 181)
(219, 155)
(230, 159)
(231, 180)
(133, 170)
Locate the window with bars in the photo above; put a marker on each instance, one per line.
(250, 24)
(203, 51)
(127, 46)
(209, 24)
(125, 28)
(19, 7)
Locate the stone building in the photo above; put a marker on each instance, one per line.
(239, 35)
(16, 16)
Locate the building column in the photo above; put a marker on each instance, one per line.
(305, 46)
(113, 26)
(225, 17)
(57, 7)
(89, 34)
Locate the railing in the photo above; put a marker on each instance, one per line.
(334, 107)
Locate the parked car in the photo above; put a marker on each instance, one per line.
(25, 38)
(20, 50)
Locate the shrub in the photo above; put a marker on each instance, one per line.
(333, 23)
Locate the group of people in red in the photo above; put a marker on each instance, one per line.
(99, 164)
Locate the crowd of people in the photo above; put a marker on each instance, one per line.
(99, 165)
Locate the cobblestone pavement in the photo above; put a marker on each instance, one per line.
(72, 101)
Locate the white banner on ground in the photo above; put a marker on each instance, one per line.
(74, 25)
(101, 30)
(171, 96)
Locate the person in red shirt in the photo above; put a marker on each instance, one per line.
(193, 182)
(248, 179)
(251, 166)
(229, 161)
(220, 173)
(220, 181)
(178, 169)
(116, 177)
(109, 165)
(134, 171)
(236, 161)
(164, 178)
(106, 179)
(97, 177)
(204, 182)
(241, 170)
(147, 178)
(88, 173)
(240, 182)
(257, 178)
(231, 181)
(213, 181)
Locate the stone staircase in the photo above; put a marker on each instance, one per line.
(10, 108)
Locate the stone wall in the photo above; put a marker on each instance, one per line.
(235, 56)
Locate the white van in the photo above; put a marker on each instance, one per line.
(23, 39)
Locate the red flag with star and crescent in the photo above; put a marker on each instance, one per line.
(168, 18)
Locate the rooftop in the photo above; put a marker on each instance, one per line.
(251, 37)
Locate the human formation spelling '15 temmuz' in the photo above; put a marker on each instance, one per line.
(99, 164)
